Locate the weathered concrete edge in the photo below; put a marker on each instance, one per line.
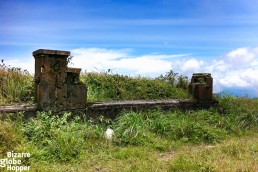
(113, 109)
(50, 52)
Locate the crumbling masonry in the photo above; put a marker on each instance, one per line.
(57, 87)
(201, 88)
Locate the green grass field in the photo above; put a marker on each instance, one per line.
(222, 138)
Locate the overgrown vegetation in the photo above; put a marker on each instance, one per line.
(108, 86)
(16, 85)
(223, 138)
(159, 140)
(60, 138)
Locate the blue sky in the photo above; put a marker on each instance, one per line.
(144, 37)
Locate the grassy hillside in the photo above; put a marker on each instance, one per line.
(222, 138)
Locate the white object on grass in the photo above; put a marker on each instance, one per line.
(109, 134)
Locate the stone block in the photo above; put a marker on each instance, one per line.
(57, 87)
(76, 96)
(201, 87)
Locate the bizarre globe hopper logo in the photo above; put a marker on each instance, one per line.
(14, 161)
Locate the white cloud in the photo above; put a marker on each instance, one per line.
(22, 63)
(217, 66)
(242, 55)
(236, 69)
(141, 65)
(192, 65)
(100, 53)
(234, 81)
(91, 59)
(242, 69)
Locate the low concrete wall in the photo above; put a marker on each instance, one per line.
(113, 109)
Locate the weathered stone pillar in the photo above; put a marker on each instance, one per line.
(201, 88)
(51, 83)
(76, 90)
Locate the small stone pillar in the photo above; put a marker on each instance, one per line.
(76, 90)
(201, 88)
(52, 86)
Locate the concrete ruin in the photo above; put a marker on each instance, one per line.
(57, 87)
(201, 87)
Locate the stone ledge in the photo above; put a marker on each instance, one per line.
(50, 52)
(73, 70)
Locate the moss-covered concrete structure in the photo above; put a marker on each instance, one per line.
(57, 87)
(201, 87)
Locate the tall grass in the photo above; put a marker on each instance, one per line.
(11, 136)
(66, 142)
(108, 86)
(201, 126)
(60, 138)
(16, 85)
(242, 111)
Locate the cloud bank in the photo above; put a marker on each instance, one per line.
(92, 59)
(238, 68)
